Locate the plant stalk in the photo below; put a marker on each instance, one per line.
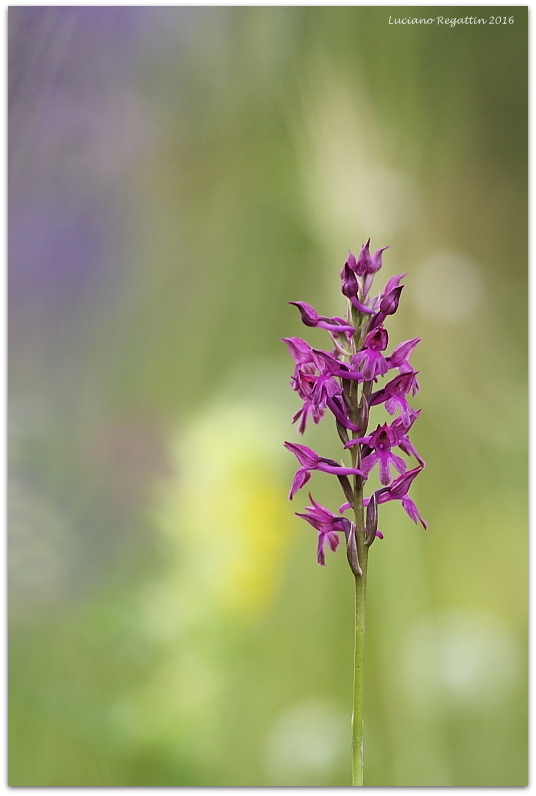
(359, 648)
(360, 581)
(359, 659)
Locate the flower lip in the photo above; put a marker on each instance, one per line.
(377, 339)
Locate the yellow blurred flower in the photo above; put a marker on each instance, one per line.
(225, 508)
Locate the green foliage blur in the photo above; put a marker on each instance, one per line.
(177, 175)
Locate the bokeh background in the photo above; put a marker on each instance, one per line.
(176, 176)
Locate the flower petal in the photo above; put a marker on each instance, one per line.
(299, 480)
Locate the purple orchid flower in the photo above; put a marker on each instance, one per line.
(328, 525)
(315, 389)
(381, 441)
(369, 359)
(303, 381)
(309, 461)
(398, 490)
(367, 264)
(325, 388)
(305, 369)
(394, 396)
(390, 285)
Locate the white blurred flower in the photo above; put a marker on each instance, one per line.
(350, 186)
(308, 739)
(461, 659)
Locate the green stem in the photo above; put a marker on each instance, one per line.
(359, 659)
(359, 649)
(360, 581)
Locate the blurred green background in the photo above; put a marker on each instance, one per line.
(176, 176)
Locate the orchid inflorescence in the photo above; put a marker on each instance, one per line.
(343, 381)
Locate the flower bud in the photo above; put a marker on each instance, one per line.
(349, 285)
(371, 524)
(368, 263)
(389, 303)
(351, 549)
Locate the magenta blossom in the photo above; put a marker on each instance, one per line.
(398, 490)
(328, 526)
(381, 441)
(393, 395)
(369, 359)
